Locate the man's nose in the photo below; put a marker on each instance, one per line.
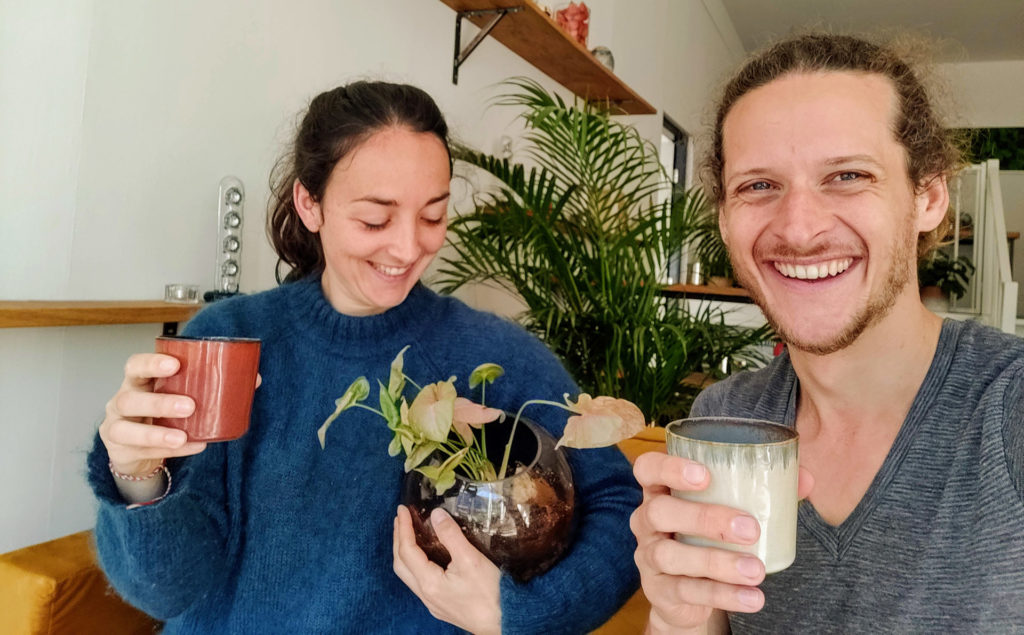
(803, 216)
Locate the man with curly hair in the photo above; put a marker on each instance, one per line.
(829, 166)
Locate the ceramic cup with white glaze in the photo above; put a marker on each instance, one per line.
(754, 468)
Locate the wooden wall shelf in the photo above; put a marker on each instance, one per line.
(532, 35)
(32, 313)
(707, 292)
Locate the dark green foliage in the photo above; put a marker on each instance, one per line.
(951, 275)
(1005, 144)
(582, 240)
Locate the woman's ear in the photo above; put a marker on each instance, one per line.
(308, 208)
(931, 203)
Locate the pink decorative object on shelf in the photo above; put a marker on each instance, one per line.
(575, 19)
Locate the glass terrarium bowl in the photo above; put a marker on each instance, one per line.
(522, 523)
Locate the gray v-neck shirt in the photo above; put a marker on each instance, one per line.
(937, 543)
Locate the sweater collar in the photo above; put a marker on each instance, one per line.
(313, 314)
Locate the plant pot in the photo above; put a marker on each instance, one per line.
(521, 523)
(935, 299)
(720, 281)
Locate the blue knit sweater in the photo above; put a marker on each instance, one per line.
(271, 534)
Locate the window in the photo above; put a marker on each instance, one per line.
(672, 152)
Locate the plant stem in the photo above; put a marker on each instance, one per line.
(511, 435)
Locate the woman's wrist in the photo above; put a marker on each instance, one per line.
(145, 489)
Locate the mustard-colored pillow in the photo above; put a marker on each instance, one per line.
(57, 587)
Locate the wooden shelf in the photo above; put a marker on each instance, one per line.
(32, 313)
(708, 292)
(533, 36)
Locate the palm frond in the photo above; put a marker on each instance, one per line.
(582, 238)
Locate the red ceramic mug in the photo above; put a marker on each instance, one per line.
(219, 374)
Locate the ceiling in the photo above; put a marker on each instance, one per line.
(968, 31)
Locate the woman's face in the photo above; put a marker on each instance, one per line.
(381, 220)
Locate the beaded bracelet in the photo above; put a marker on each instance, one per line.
(130, 477)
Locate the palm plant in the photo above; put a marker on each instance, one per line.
(582, 239)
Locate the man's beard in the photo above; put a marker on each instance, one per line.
(904, 250)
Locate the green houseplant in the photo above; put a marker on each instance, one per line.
(708, 247)
(583, 239)
(942, 277)
(502, 479)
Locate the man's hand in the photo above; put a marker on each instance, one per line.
(686, 584)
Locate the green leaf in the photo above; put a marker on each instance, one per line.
(388, 407)
(357, 392)
(395, 447)
(485, 373)
(420, 454)
(396, 381)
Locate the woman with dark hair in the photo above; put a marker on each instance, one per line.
(271, 533)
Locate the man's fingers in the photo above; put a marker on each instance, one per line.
(672, 595)
(659, 470)
(669, 514)
(806, 483)
(669, 556)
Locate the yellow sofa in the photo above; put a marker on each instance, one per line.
(57, 587)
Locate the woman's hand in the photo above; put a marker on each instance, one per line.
(136, 447)
(465, 594)
(687, 585)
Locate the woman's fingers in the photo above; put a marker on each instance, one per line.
(141, 405)
(141, 368)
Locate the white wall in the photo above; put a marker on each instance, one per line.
(118, 118)
(991, 95)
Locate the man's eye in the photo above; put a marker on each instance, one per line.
(759, 186)
(849, 176)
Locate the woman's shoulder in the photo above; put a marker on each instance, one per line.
(242, 315)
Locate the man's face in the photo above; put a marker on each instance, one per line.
(819, 214)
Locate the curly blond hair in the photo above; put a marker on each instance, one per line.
(933, 150)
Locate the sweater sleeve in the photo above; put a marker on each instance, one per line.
(597, 575)
(163, 557)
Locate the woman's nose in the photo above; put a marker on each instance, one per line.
(405, 242)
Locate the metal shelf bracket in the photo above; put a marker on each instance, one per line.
(461, 55)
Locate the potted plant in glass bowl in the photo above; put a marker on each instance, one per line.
(942, 277)
(500, 476)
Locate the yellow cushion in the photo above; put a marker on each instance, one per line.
(57, 587)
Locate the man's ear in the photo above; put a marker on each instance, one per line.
(308, 208)
(930, 203)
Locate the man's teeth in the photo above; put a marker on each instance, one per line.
(391, 271)
(814, 272)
